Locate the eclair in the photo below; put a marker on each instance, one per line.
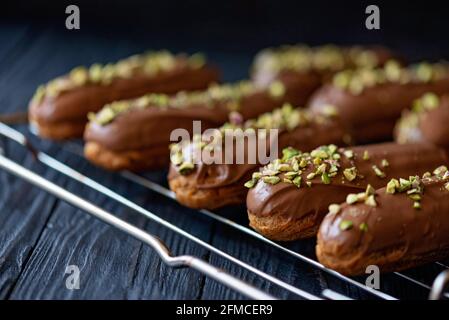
(135, 134)
(207, 184)
(427, 121)
(405, 224)
(370, 101)
(58, 109)
(290, 197)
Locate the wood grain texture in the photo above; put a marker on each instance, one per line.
(40, 235)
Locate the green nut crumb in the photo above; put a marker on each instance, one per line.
(346, 225)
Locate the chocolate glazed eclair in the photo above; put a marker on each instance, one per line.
(426, 122)
(404, 225)
(212, 185)
(370, 101)
(135, 134)
(59, 109)
(291, 196)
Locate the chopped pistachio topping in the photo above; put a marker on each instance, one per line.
(288, 153)
(392, 185)
(378, 172)
(356, 81)
(385, 163)
(365, 155)
(303, 58)
(329, 110)
(440, 171)
(426, 175)
(417, 205)
(251, 183)
(297, 181)
(271, 179)
(334, 208)
(349, 154)
(446, 186)
(325, 178)
(150, 64)
(346, 225)
(350, 173)
(186, 167)
(428, 101)
(276, 89)
(363, 227)
(351, 198)
(412, 186)
(371, 201)
(368, 197)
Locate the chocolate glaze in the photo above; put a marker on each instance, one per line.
(152, 126)
(305, 137)
(393, 225)
(371, 115)
(294, 203)
(74, 105)
(431, 125)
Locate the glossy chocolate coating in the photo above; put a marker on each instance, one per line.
(396, 234)
(75, 104)
(371, 115)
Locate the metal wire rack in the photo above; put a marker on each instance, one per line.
(436, 288)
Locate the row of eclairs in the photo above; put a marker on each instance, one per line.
(363, 143)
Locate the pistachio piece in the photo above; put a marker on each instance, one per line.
(325, 178)
(79, 76)
(370, 201)
(197, 60)
(351, 198)
(288, 153)
(363, 227)
(271, 179)
(276, 89)
(440, 171)
(378, 172)
(370, 190)
(176, 158)
(297, 181)
(385, 163)
(365, 155)
(391, 186)
(95, 72)
(310, 176)
(350, 173)
(250, 183)
(349, 154)
(334, 208)
(186, 167)
(346, 225)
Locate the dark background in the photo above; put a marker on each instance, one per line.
(416, 28)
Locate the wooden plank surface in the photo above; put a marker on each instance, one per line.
(40, 235)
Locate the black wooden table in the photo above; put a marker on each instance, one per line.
(40, 235)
